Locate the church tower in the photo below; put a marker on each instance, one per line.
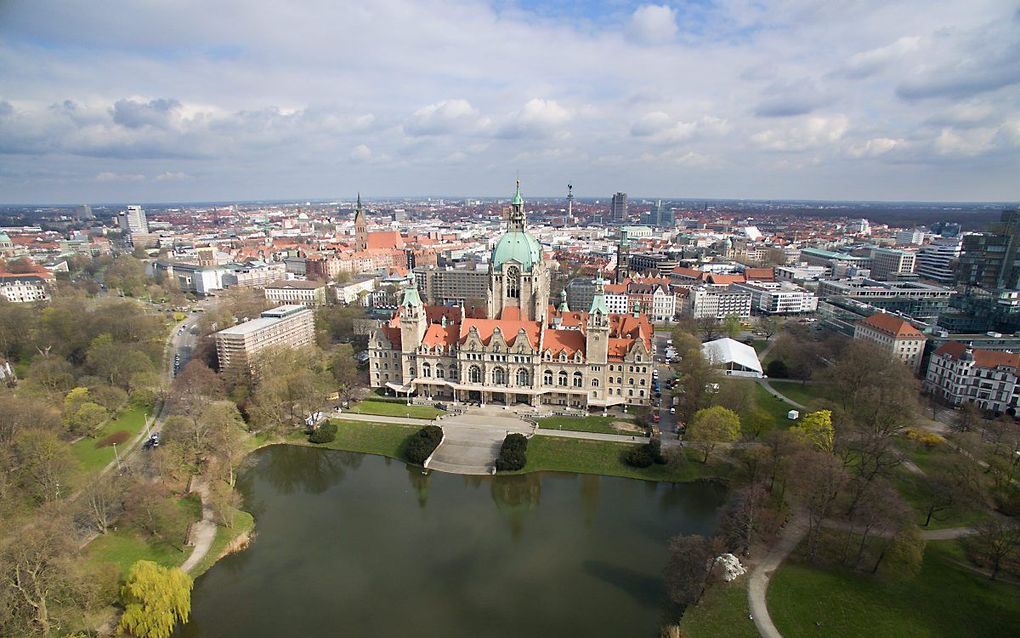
(360, 227)
(597, 329)
(413, 324)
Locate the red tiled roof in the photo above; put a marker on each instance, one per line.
(892, 326)
(570, 341)
(760, 274)
(982, 358)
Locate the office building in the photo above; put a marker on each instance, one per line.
(718, 302)
(133, 220)
(296, 291)
(779, 297)
(894, 335)
(937, 261)
(909, 237)
(959, 373)
(988, 261)
(920, 301)
(451, 286)
(618, 211)
(889, 263)
(289, 326)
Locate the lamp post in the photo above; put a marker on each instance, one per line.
(116, 456)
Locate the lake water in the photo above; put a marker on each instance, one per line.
(357, 545)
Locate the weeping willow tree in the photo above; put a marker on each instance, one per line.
(155, 599)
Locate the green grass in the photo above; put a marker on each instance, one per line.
(776, 407)
(554, 453)
(722, 612)
(93, 458)
(126, 545)
(944, 600)
(960, 514)
(388, 408)
(759, 345)
(598, 424)
(804, 394)
(384, 439)
(243, 523)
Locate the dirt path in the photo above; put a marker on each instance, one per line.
(762, 574)
(204, 531)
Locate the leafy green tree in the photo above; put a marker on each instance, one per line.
(345, 369)
(88, 419)
(155, 599)
(126, 274)
(815, 429)
(732, 327)
(43, 465)
(714, 425)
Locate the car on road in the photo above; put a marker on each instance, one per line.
(672, 410)
(151, 442)
(656, 418)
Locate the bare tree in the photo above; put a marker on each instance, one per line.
(689, 568)
(818, 483)
(997, 541)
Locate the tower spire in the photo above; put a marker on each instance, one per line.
(517, 217)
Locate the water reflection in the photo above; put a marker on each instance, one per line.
(420, 481)
(292, 468)
(515, 497)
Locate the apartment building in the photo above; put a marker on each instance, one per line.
(937, 261)
(718, 302)
(23, 288)
(779, 297)
(290, 326)
(306, 293)
(894, 335)
(446, 286)
(959, 373)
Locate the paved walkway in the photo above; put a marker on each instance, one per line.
(471, 442)
(762, 574)
(776, 393)
(203, 533)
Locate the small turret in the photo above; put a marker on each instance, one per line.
(563, 302)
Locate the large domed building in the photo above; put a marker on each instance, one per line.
(523, 350)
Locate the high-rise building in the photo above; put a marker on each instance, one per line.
(83, 213)
(887, 263)
(937, 260)
(619, 208)
(133, 220)
(291, 326)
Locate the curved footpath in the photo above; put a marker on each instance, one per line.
(761, 575)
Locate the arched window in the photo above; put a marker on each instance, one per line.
(594, 383)
(578, 379)
(453, 372)
(547, 377)
(426, 370)
(513, 282)
(440, 372)
(499, 376)
(523, 378)
(475, 374)
(563, 378)
(630, 392)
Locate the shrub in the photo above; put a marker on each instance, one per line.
(513, 453)
(645, 455)
(423, 443)
(325, 433)
(925, 438)
(776, 368)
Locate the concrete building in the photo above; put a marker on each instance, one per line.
(779, 297)
(718, 302)
(909, 237)
(523, 350)
(452, 286)
(354, 291)
(618, 211)
(580, 292)
(296, 291)
(803, 275)
(133, 220)
(254, 274)
(920, 301)
(23, 288)
(191, 277)
(894, 335)
(289, 326)
(888, 263)
(987, 378)
(653, 264)
(838, 263)
(937, 261)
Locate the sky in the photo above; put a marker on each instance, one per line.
(211, 100)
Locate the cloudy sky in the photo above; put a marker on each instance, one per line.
(184, 100)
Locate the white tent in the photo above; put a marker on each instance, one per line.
(737, 359)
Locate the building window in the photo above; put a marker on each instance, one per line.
(523, 378)
(547, 377)
(426, 370)
(578, 380)
(475, 374)
(563, 379)
(499, 376)
(594, 383)
(440, 373)
(513, 282)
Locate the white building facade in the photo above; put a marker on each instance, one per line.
(958, 374)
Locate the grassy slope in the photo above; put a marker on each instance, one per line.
(243, 522)
(599, 424)
(94, 458)
(723, 612)
(802, 393)
(776, 407)
(389, 408)
(943, 600)
(603, 457)
(384, 439)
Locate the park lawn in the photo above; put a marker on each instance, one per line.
(961, 514)
(722, 612)
(560, 454)
(598, 424)
(759, 345)
(126, 545)
(384, 439)
(92, 458)
(244, 523)
(803, 393)
(943, 600)
(388, 408)
(776, 407)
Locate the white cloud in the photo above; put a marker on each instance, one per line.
(361, 153)
(968, 142)
(653, 24)
(809, 134)
(172, 176)
(658, 127)
(867, 63)
(538, 117)
(445, 117)
(109, 176)
(874, 147)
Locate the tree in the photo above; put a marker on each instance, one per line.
(711, 426)
(709, 327)
(148, 507)
(757, 422)
(297, 387)
(155, 599)
(695, 374)
(769, 325)
(736, 395)
(967, 417)
(777, 368)
(44, 466)
(689, 568)
(742, 520)
(126, 274)
(88, 419)
(815, 429)
(996, 542)
(345, 370)
(101, 500)
(732, 327)
(817, 483)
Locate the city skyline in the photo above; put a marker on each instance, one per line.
(695, 100)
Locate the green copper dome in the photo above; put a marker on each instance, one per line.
(519, 246)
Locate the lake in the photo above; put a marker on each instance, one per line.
(358, 545)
